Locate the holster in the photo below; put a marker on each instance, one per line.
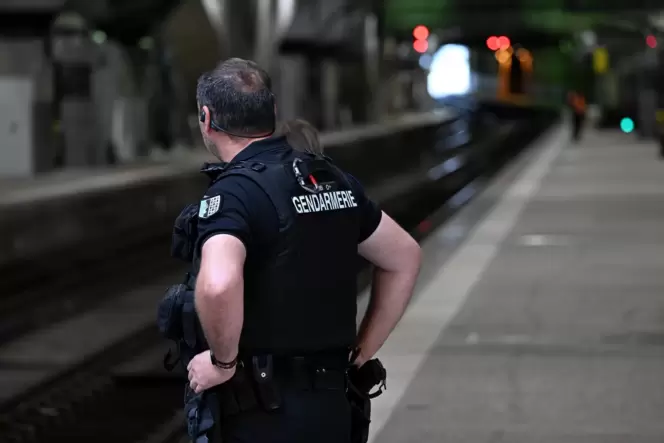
(360, 383)
(253, 386)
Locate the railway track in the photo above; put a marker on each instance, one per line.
(91, 399)
(54, 296)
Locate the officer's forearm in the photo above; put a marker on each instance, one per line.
(220, 309)
(391, 292)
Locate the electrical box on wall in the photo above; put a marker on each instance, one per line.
(17, 157)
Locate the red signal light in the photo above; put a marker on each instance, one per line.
(493, 43)
(651, 41)
(421, 32)
(420, 46)
(503, 42)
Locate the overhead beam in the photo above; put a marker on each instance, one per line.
(569, 16)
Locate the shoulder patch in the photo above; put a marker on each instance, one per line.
(209, 207)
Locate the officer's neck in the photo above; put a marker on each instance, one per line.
(229, 150)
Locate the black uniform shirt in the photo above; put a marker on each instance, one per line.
(244, 210)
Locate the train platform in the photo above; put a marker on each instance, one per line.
(75, 182)
(539, 316)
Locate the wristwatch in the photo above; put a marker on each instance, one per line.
(222, 364)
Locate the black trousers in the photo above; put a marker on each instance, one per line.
(306, 416)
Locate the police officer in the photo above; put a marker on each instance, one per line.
(275, 290)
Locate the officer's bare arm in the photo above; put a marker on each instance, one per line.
(219, 294)
(396, 257)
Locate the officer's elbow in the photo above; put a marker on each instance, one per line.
(412, 256)
(405, 258)
(417, 255)
(392, 249)
(217, 287)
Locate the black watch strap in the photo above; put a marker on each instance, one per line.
(222, 364)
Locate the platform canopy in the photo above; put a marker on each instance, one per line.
(556, 18)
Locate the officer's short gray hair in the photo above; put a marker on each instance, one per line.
(239, 96)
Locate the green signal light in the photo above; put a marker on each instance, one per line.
(626, 125)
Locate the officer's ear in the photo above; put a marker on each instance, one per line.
(205, 119)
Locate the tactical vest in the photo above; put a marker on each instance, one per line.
(300, 295)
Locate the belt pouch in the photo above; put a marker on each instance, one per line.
(266, 387)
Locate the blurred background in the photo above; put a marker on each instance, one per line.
(425, 101)
(112, 82)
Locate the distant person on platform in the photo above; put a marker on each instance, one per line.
(302, 136)
(577, 104)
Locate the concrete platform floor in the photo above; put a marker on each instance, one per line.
(542, 320)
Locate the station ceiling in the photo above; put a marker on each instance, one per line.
(547, 21)
(124, 20)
